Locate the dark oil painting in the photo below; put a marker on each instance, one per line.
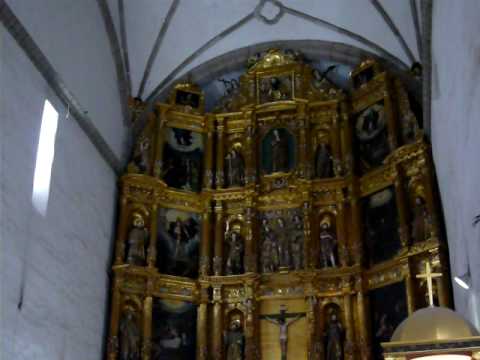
(371, 137)
(381, 234)
(178, 241)
(388, 309)
(173, 330)
(183, 159)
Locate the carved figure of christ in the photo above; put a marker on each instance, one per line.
(283, 321)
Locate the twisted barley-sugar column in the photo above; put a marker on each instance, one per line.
(147, 327)
(220, 177)
(115, 319)
(208, 172)
(218, 248)
(122, 231)
(402, 210)
(152, 251)
(160, 140)
(205, 256)
(311, 306)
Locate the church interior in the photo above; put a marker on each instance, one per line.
(254, 179)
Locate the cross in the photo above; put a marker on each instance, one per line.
(281, 321)
(429, 276)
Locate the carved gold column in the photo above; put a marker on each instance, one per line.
(349, 323)
(313, 341)
(402, 210)
(208, 169)
(122, 232)
(202, 323)
(342, 230)
(112, 349)
(430, 202)
(220, 178)
(205, 243)
(250, 256)
(218, 256)
(336, 145)
(310, 261)
(356, 233)
(410, 287)
(249, 152)
(252, 332)
(147, 325)
(302, 143)
(217, 322)
(152, 250)
(363, 329)
(161, 121)
(347, 140)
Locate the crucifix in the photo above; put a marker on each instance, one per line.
(429, 276)
(282, 320)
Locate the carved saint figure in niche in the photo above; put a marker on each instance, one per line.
(141, 158)
(279, 152)
(297, 253)
(421, 220)
(323, 162)
(275, 89)
(234, 168)
(334, 337)
(180, 234)
(129, 336)
(137, 239)
(235, 341)
(234, 264)
(270, 256)
(328, 243)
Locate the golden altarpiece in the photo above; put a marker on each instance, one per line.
(289, 223)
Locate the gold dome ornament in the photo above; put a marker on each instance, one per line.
(433, 333)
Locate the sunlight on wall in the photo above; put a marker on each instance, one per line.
(45, 155)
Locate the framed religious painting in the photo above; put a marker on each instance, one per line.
(380, 225)
(174, 330)
(275, 88)
(183, 154)
(178, 239)
(371, 136)
(388, 308)
(188, 98)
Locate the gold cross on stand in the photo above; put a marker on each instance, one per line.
(429, 276)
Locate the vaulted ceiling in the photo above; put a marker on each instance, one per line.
(163, 39)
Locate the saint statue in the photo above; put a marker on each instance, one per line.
(234, 169)
(234, 263)
(334, 338)
(180, 235)
(270, 258)
(328, 242)
(129, 336)
(323, 162)
(297, 253)
(137, 239)
(279, 145)
(235, 341)
(141, 159)
(421, 221)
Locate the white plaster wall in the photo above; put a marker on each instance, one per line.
(72, 36)
(455, 137)
(196, 22)
(60, 259)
